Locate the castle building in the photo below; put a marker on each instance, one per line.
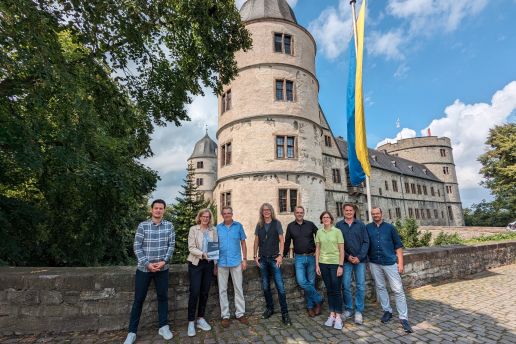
(275, 145)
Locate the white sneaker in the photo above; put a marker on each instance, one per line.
(358, 318)
(191, 328)
(338, 324)
(347, 315)
(165, 332)
(131, 338)
(203, 325)
(330, 321)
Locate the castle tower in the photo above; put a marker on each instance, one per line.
(269, 131)
(437, 155)
(204, 160)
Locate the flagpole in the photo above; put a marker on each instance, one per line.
(368, 187)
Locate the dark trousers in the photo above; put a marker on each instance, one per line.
(142, 282)
(333, 286)
(200, 282)
(268, 266)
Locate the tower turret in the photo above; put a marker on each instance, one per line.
(204, 161)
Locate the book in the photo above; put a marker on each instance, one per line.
(213, 250)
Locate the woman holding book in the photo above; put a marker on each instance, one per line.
(200, 268)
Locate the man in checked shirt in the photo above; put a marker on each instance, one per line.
(154, 244)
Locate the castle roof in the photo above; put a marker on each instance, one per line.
(257, 9)
(385, 161)
(205, 148)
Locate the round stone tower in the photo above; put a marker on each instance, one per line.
(437, 155)
(269, 131)
(204, 161)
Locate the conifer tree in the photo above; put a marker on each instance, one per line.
(183, 213)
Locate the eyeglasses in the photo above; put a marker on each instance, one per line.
(326, 217)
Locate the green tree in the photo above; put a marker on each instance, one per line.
(81, 85)
(183, 213)
(499, 167)
(443, 239)
(410, 235)
(488, 214)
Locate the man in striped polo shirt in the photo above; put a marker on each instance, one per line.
(154, 244)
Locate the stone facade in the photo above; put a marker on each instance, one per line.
(35, 300)
(251, 120)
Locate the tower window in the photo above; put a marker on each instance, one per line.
(450, 213)
(199, 181)
(200, 164)
(390, 214)
(336, 175)
(407, 189)
(398, 213)
(443, 152)
(394, 186)
(283, 43)
(386, 186)
(284, 90)
(446, 170)
(380, 191)
(327, 140)
(285, 147)
(413, 188)
(226, 101)
(448, 189)
(418, 189)
(225, 199)
(287, 200)
(432, 191)
(425, 192)
(339, 209)
(225, 154)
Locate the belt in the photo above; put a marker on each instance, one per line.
(305, 254)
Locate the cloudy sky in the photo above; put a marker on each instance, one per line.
(444, 65)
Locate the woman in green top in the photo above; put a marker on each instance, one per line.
(329, 258)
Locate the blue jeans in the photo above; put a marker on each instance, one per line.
(380, 273)
(333, 285)
(359, 271)
(267, 266)
(305, 276)
(142, 281)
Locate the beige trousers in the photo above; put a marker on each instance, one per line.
(236, 277)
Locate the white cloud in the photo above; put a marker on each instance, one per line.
(172, 145)
(402, 71)
(387, 44)
(405, 133)
(239, 3)
(332, 29)
(426, 16)
(467, 125)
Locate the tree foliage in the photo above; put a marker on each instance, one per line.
(410, 235)
(81, 85)
(488, 214)
(499, 167)
(183, 213)
(443, 239)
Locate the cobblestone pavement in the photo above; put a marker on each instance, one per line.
(480, 309)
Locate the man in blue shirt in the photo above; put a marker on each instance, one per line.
(356, 245)
(154, 244)
(386, 261)
(231, 248)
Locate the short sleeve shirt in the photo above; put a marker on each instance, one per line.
(329, 241)
(230, 254)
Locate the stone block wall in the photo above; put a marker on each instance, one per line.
(34, 300)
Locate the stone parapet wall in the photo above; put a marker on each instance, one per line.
(34, 300)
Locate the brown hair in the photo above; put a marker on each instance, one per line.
(326, 212)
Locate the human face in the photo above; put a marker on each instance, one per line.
(227, 215)
(205, 218)
(377, 215)
(299, 213)
(266, 212)
(349, 212)
(326, 220)
(157, 211)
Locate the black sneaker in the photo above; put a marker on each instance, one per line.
(267, 313)
(406, 326)
(386, 317)
(286, 319)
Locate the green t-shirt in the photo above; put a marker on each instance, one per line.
(329, 245)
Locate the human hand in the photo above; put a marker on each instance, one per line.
(339, 271)
(257, 261)
(244, 265)
(400, 269)
(279, 260)
(318, 270)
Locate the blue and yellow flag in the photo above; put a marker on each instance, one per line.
(358, 158)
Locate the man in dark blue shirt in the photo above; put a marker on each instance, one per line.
(356, 245)
(386, 261)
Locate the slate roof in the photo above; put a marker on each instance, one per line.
(205, 148)
(257, 9)
(384, 161)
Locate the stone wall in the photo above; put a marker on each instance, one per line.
(34, 300)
